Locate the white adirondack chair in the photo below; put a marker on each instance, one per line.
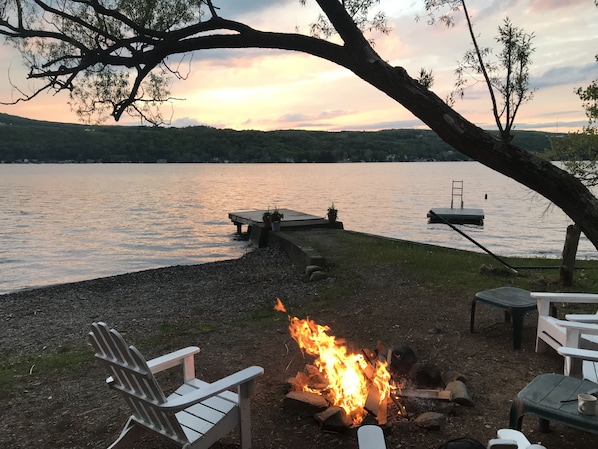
(589, 360)
(512, 439)
(195, 416)
(558, 333)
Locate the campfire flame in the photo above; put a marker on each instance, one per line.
(349, 376)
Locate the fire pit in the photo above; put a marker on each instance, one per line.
(343, 389)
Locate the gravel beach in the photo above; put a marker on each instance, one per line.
(225, 308)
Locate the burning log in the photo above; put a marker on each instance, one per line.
(333, 419)
(305, 403)
(344, 378)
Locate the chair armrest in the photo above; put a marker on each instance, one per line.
(567, 297)
(518, 437)
(238, 378)
(582, 318)
(370, 437)
(171, 359)
(585, 354)
(183, 356)
(500, 443)
(584, 328)
(166, 361)
(545, 299)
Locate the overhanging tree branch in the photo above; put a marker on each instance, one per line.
(116, 66)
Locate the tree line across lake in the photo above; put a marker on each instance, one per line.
(25, 140)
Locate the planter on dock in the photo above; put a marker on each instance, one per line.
(267, 219)
(276, 218)
(332, 213)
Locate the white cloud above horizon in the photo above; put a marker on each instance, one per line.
(267, 89)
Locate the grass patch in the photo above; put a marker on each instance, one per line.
(34, 368)
(176, 334)
(439, 268)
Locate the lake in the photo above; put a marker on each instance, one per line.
(71, 222)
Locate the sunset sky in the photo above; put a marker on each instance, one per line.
(267, 90)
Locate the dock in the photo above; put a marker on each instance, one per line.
(293, 220)
(456, 215)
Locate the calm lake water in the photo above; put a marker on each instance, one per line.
(66, 223)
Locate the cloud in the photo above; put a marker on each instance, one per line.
(240, 9)
(537, 6)
(398, 124)
(300, 117)
(184, 122)
(568, 75)
(553, 126)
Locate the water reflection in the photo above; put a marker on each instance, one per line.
(63, 223)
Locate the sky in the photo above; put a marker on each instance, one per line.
(272, 90)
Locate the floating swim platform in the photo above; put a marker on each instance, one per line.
(456, 215)
(460, 215)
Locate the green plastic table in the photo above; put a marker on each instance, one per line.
(544, 398)
(516, 302)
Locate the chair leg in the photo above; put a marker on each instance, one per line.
(244, 392)
(131, 433)
(517, 330)
(543, 425)
(472, 317)
(541, 345)
(516, 414)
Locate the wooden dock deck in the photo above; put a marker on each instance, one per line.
(292, 220)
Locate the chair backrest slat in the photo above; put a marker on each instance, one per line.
(134, 380)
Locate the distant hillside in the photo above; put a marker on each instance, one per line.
(23, 139)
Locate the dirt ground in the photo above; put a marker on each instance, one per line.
(225, 308)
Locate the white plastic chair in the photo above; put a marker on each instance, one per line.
(512, 439)
(558, 333)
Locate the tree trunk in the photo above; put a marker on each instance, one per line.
(540, 175)
(569, 253)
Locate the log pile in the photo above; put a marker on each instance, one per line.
(422, 394)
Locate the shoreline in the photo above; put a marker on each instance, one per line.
(43, 319)
(240, 252)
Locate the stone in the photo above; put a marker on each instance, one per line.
(402, 360)
(425, 376)
(451, 375)
(460, 393)
(316, 276)
(431, 420)
(312, 268)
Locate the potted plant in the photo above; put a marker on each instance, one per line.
(332, 213)
(267, 219)
(276, 216)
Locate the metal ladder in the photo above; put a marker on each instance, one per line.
(457, 191)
